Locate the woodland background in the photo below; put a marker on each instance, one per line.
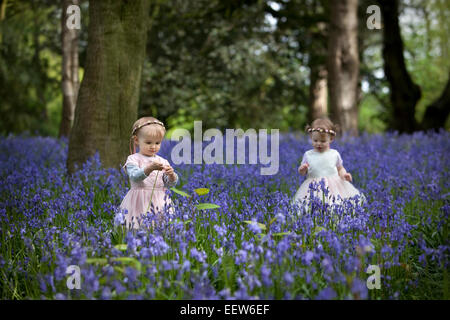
(232, 64)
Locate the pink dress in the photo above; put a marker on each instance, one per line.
(323, 165)
(137, 200)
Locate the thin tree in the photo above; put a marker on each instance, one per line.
(2, 15)
(318, 88)
(70, 81)
(343, 64)
(318, 92)
(404, 93)
(437, 112)
(108, 99)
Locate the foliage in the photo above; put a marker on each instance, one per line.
(218, 62)
(30, 66)
(231, 64)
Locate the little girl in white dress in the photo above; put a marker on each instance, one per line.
(321, 162)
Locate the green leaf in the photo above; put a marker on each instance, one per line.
(281, 234)
(97, 260)
(121, 247)
(201, 191)
(179, 221)
(319, 229)
(272, 220)
(119, 269)
(180, 192)
(260, 225)
(129, 261)
(204, 206)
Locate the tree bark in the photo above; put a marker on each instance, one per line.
(108, 99)
(2, 16)
(42, 78)
(404, 93)
(437, 113)
(318, 92)
(343, 64)
(70, 81)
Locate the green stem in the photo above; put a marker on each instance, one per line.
(151, 197)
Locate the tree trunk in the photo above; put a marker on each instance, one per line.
(343, 64)
(109, 93)
(42, 78)
(437, 113)
(2, 16)
(318, 92)
(404, 93)
(70, 81)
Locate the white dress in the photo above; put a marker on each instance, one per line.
(323, 165)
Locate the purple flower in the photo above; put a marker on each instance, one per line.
(265, 276)
(307, 257)
(106, 293)
(119, 218)
(241, 257)
(60, 296)
(326, 294)
(200, 256)
(186, 266)
(359, 289)
(288, 278)
(327, 265)
(131, 274)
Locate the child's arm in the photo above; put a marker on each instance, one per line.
(344, 174)
(135, 173)
(138, 174)
(170, 178)
(303, 169)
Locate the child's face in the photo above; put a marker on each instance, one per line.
(321, 141)
(149, 144)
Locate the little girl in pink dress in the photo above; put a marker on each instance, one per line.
(150, 175)
(321, 162)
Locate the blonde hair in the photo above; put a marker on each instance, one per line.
(323, 125)
(155, 126)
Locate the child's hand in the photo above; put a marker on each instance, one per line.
(169, 171)
(153, 166)
(347, 176)
(303, 169)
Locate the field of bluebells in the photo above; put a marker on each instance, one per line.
(257, 245)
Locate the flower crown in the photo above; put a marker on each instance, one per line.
(146, 124)
(321, 130)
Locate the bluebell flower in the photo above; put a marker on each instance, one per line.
(326, 294)
(307, 257)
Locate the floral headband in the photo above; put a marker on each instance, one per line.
(146, 124)
(321, 130)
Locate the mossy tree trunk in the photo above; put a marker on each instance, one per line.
(404, 93)
(437, 112)
(108, 98)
